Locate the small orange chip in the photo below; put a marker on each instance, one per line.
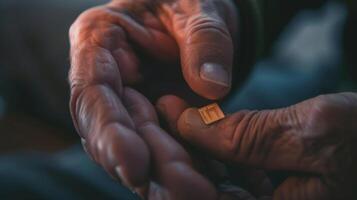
(211, 113)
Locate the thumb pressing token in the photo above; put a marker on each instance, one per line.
(211, 113)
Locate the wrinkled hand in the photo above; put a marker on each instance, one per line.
(139, 44)
(148, 160)
(144, 42)
(315, 140)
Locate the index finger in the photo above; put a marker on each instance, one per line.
(264, 139)
(101, 119)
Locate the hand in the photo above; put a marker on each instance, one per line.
(315, 140)
(154, 166)
(106, 63)
(142, 44)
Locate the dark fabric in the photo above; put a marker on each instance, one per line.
(68, 175)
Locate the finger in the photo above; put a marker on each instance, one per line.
(96, 28)
(100, 118)
(171, 107)
(173, 167)
(205, 43)
(255, 181)
(128, 64)
(144, 29)
(307, 188)
(214, 170)
(110, 140)
(266, 139)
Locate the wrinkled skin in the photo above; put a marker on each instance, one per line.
(315, 140)
(130, 46)
(150, 41)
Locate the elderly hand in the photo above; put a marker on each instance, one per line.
(135, 44)
(315, 140)
(142, 43)
(148, 160)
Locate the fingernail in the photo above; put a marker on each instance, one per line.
(119, 172)
(84, 145)
(192, 118)
(215, 73)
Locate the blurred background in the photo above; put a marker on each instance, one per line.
(306, 59)
(34, 62)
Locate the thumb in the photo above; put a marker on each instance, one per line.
(205, 42)
(265, 139)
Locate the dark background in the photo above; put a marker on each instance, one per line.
(34, 63)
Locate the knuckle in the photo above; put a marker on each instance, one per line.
(84, 108)
(322, 113)
(108, 36)
(255, 133)
(331, 115)
(95, 26)
(206, 26)
(93, 66)
(237, 128)
(84, 23)
(328, 104)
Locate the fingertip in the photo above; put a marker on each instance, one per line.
(119, 147)
(171, 104)
(190, 123)
(212, 82)
(216, 74)
(171, 107)
(208, 89)
(215, 138)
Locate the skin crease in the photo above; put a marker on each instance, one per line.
(128, 46)
(314, 140)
